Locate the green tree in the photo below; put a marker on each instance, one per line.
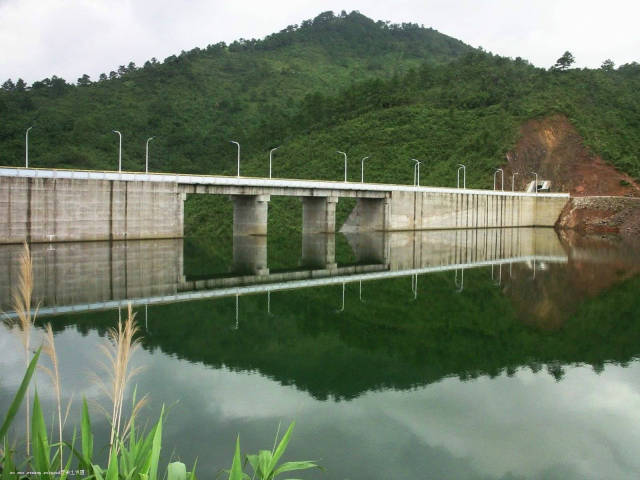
(564, 62)
(84, 80)
(8, 85)
(607, 65)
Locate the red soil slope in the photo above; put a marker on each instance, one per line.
(552, 147)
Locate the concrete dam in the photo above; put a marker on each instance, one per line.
(45, 205)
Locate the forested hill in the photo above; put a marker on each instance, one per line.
(390, 92)
(195, 102)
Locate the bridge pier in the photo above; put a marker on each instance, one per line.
(369, 215)
(318, 215)
(250, 214)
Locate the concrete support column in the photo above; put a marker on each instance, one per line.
(250, 255)
(250, 214)
(319, 251)
(369, 215)
(318, 215)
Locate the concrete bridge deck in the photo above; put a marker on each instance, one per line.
(44, 205)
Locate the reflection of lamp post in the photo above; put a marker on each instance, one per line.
(237, 325)
(232, 141)
(26, 149)
(269, 302)
(119, 150)
(464, 176)
(345, 165)
(341, 309)
(146, 156)
(360, 292)
(414, 285)
(535, 187)
(513, 181)
(459, 286)
(270, 155)
(362, 169)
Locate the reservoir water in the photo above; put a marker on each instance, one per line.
(470, 354)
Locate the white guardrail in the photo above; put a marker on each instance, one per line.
(250, 182)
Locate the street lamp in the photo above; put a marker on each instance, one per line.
(501, 176)
(119, 150)
(362, 169)
(146, 156)
(416, 172)
(26, 150)
(464, 176)
(513, 181)
(345, 165)
(270, 155)
(535, 187)
(231, 141)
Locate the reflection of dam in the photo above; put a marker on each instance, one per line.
(78, 277)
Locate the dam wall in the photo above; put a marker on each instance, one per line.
(54, 210)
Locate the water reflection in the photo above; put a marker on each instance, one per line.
(478, 354)
(78, 277)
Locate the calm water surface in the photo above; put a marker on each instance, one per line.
(488, 354)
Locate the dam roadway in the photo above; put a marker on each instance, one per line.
(49, 205)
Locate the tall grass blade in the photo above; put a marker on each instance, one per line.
(19, 396)
(291, 466)
(87, 437)
(40, 445)
(236, 465)
(282, 446)
(155, 449)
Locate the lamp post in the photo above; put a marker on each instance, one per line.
(362, 169)
(535, 186)
(119, 150)
(232, 141)
(501, 176)
(270, 157)
(146, 156)
(416, 172)
(345, 165)
(513, 181)
(464, 176)
(26, 148)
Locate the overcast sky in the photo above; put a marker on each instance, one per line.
(40, 38)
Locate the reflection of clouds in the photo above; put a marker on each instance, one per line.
(585, 426)
(528, 423)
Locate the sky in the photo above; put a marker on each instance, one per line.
(67, 38)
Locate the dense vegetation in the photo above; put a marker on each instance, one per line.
(345, 82)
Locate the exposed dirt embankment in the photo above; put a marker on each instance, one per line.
(604, 200)
(619, 215)
(552, 147)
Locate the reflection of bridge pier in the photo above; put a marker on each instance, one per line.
(319, 251)
(369, 247)
(250, 254)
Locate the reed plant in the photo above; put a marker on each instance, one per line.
(22, 301)
(132, 454)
